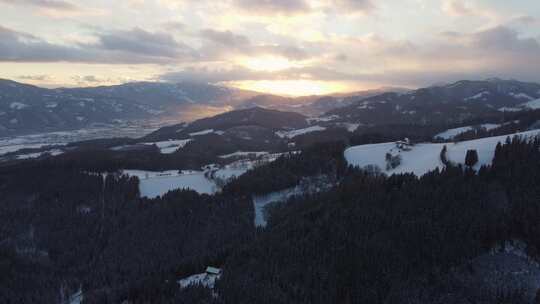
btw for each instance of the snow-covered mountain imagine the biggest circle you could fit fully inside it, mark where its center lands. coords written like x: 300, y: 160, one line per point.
x: 444, y: 104
x: 29, y: 109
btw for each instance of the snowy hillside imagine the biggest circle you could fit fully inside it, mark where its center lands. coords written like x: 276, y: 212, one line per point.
x: 451, y: 133
x: 425, y: 157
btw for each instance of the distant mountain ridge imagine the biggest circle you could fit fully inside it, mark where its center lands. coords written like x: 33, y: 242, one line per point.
x: 444, y: 104
x: 26, y: 109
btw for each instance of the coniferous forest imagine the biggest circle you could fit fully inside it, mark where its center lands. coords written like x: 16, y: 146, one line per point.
x: 368, y: 239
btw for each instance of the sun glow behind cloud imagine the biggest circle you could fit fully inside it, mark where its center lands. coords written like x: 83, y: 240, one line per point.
x: 268, y: 63
x: 292, y: 47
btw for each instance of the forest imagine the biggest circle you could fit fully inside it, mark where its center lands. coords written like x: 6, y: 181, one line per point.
x: 370, y: 238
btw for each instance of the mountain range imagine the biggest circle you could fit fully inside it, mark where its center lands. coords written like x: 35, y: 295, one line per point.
x: 26, y: 109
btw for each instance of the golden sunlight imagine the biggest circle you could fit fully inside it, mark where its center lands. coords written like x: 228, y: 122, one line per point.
x: 291, y: 87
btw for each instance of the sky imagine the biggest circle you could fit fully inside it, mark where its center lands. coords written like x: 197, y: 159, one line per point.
x: 288, y: 47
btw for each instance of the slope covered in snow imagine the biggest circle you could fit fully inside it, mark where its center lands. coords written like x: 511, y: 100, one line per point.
x: 451, y: 133
x: 425, y: 157
x: 298, y: 132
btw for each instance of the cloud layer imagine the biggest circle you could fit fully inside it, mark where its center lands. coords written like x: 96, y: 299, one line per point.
x: 362, y: 42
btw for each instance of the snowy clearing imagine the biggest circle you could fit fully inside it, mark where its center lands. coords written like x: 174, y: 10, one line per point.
x: 298, y: 132
x: 153, y: 184
x: 426, y: 156
x: 169, y: 146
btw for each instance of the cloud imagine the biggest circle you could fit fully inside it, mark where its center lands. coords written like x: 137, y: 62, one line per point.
x: 353, y: 6
x: 139, y: 41
x: 56, y: 8
x: 42, y: 77
x: 226, y: 38
x: 273, y: 7
x: 135, y: 46
x: 45, y: 4
x: 213, y: 75
x: 22, y: 47
x: 175, y: 26
x: 94, y: 80
x: 223, y: 44
x: 456, y: 8
x: 498, y: 51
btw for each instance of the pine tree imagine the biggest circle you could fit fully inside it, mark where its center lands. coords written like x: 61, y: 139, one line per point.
x: 471, y: 158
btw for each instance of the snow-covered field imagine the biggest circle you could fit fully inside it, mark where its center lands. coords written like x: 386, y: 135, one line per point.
x: 451, y: 133
x: 426, y: 156
x: 153, y: 184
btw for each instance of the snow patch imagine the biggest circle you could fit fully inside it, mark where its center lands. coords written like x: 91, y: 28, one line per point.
x: 206, y: 279
x: 521, y: 96
x: 509, y: 109
x: 243, y: 154
x: 322, y: 119
x: 533, y: 104
x: 261, y: 201
x: 54, y: 152
x: 351, y: 127
x: 169, y: 146
x: 298, y: 132
x: 204, y: 132
x: 478, y: 96
x: 18, y: 106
